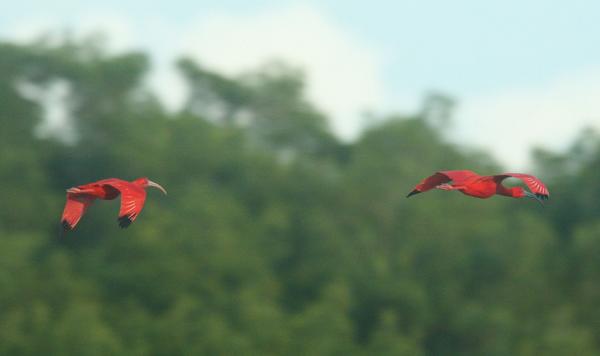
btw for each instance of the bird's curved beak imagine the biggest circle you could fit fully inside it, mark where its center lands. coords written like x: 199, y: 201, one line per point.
x: 531, y: 195
x: 157, y: 186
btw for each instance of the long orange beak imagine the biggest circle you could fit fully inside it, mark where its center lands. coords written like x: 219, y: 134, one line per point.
x: 157, y: 186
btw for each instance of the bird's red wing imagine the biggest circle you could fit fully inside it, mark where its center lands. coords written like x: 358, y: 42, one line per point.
x: 432, y: 182
x: 533, y: 183
x: 132, y: 201
x: 459, y: 176
x: 440, y: 178
x: 75, y: 207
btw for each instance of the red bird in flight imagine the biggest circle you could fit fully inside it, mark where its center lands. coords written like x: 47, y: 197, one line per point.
x: 133, y: 196
x: 474, y: 185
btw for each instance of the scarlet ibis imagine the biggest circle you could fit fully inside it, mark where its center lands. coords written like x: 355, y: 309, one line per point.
x: 133, y: 196
x: 472, y: 184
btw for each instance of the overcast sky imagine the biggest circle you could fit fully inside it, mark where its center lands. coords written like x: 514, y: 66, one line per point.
x: 524, y: 72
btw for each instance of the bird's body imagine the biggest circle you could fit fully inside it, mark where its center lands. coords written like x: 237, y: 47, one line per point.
x: 133, y: 196
x: 474, y: 185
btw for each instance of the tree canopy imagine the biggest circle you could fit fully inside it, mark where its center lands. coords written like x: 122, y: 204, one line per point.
x: 276, y: 237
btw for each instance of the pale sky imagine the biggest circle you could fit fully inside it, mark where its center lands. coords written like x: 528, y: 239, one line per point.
x: 524, y: 73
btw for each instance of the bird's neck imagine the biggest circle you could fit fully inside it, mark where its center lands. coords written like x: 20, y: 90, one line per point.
x: 140, y: 182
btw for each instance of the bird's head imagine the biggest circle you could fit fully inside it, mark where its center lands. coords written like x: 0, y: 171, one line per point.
x: 145, y: 183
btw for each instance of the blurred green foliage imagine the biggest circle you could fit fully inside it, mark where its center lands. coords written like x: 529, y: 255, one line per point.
x: 276, y: 238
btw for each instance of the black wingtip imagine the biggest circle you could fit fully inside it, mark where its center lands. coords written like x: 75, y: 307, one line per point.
x: 414, y: 192
x: 124, y: 222
x: 66, y: 226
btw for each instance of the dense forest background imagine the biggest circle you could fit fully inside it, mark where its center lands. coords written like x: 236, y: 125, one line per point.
x: 276, y: 238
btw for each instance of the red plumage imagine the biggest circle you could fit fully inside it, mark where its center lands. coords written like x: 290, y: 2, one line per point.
x: 133, y: 196
x: 472, y: 184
